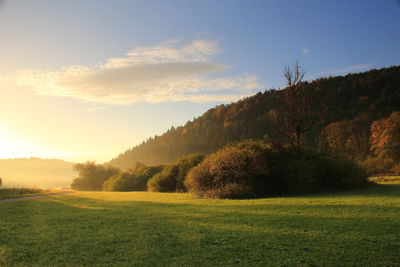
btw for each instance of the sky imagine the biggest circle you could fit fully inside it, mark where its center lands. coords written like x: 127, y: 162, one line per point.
x: 86, y: 80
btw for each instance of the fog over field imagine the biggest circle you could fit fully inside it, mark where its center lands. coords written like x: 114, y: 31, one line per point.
x: 199, y: 133
x: 29, y: 172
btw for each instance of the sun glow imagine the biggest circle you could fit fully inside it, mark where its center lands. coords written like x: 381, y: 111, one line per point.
x: 12, y: 146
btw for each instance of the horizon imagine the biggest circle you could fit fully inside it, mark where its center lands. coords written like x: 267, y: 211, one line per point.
x: 76, y: 86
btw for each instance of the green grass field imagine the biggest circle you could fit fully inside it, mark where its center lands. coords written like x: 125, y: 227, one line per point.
x: 6, y: 193
x: 386, y: 179
x: 353, y: 228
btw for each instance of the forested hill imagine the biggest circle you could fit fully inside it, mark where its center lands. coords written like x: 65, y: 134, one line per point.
x: 352, y: 103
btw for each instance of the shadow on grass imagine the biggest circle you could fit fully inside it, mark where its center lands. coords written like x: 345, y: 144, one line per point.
x: 85, y: 231
x: 370, y: 190
x: 266, y: 218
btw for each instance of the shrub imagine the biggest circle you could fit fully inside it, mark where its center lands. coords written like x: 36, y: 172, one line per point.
x: 396, y: 169
x: 254, y: 169
x: 92, y: 176
x: 305, y: 171
x: 185, y: 165
x: 133, y: 180
x: 119, y: 182
x: 231, y: 172
x: 172, y: 178
x: 378, y: 165
x: 164, y: 181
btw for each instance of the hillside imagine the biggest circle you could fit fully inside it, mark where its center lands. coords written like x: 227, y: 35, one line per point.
x: 352, y: 103
x: 36, y: 172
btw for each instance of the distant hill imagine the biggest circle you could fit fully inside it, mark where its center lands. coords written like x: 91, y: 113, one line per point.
x: 36, y: 172
x: 352, y: 102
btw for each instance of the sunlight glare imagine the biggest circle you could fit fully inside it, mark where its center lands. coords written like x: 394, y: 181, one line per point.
x: 12, y: 146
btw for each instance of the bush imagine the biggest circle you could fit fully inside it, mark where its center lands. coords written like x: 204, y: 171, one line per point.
x: 230, y: 172
x: 92, y: 176
x: 172, y: 178
x: 133, y: 180
x: 117, y: 182
x: 378, y: 165
x: 254, y: 169
x: 396, y: 169
x: 307, y: 171
x: 164, y: 181
x: 184, y: 166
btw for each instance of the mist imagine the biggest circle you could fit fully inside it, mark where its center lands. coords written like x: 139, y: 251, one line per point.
x: 36, y: 172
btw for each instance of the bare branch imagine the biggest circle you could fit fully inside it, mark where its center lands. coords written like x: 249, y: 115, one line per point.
x: 293, y: 75
x: 298, y: 116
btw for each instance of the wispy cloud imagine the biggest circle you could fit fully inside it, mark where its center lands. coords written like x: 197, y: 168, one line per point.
x: 347, y: 69
x: 170, y: 51
x: 305, y: 50
x: 163, y: 73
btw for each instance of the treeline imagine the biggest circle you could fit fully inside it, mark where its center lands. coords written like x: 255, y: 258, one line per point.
x: 257, y: 169
x: 138, y: 177
x: 353, y: 104
x: 247, y: 169
x: 309, y: 138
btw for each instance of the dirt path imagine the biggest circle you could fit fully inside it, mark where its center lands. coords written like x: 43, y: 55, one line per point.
x: 33, y: 197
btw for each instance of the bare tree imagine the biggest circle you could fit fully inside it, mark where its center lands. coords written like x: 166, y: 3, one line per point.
x: 298, y: 115
x: 294, y: 75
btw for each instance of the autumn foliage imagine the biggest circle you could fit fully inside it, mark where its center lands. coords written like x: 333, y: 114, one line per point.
x: 91, y: 176
x: 385, y: 146
x: 351, y: 104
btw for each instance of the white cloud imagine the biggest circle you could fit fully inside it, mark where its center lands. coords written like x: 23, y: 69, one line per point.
x: 347, y: 69
x: 163, y: 73
x: 305, y: 50
x: 197, y: 51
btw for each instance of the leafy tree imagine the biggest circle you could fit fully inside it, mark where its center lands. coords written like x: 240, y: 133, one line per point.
x: 92, y: 176
x: 132, y: 180
x: 184, y: 166
x: 164, y: 181
x: 172, y: 178
x: 385, y: 137
x: 385, y: 146
x: 348, y: 138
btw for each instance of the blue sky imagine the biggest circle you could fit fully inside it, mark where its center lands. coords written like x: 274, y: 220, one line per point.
x: 117, y: 72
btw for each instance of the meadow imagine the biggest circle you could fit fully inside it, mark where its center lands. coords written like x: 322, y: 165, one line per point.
x: 6, y: 193
x: 351, y: 228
